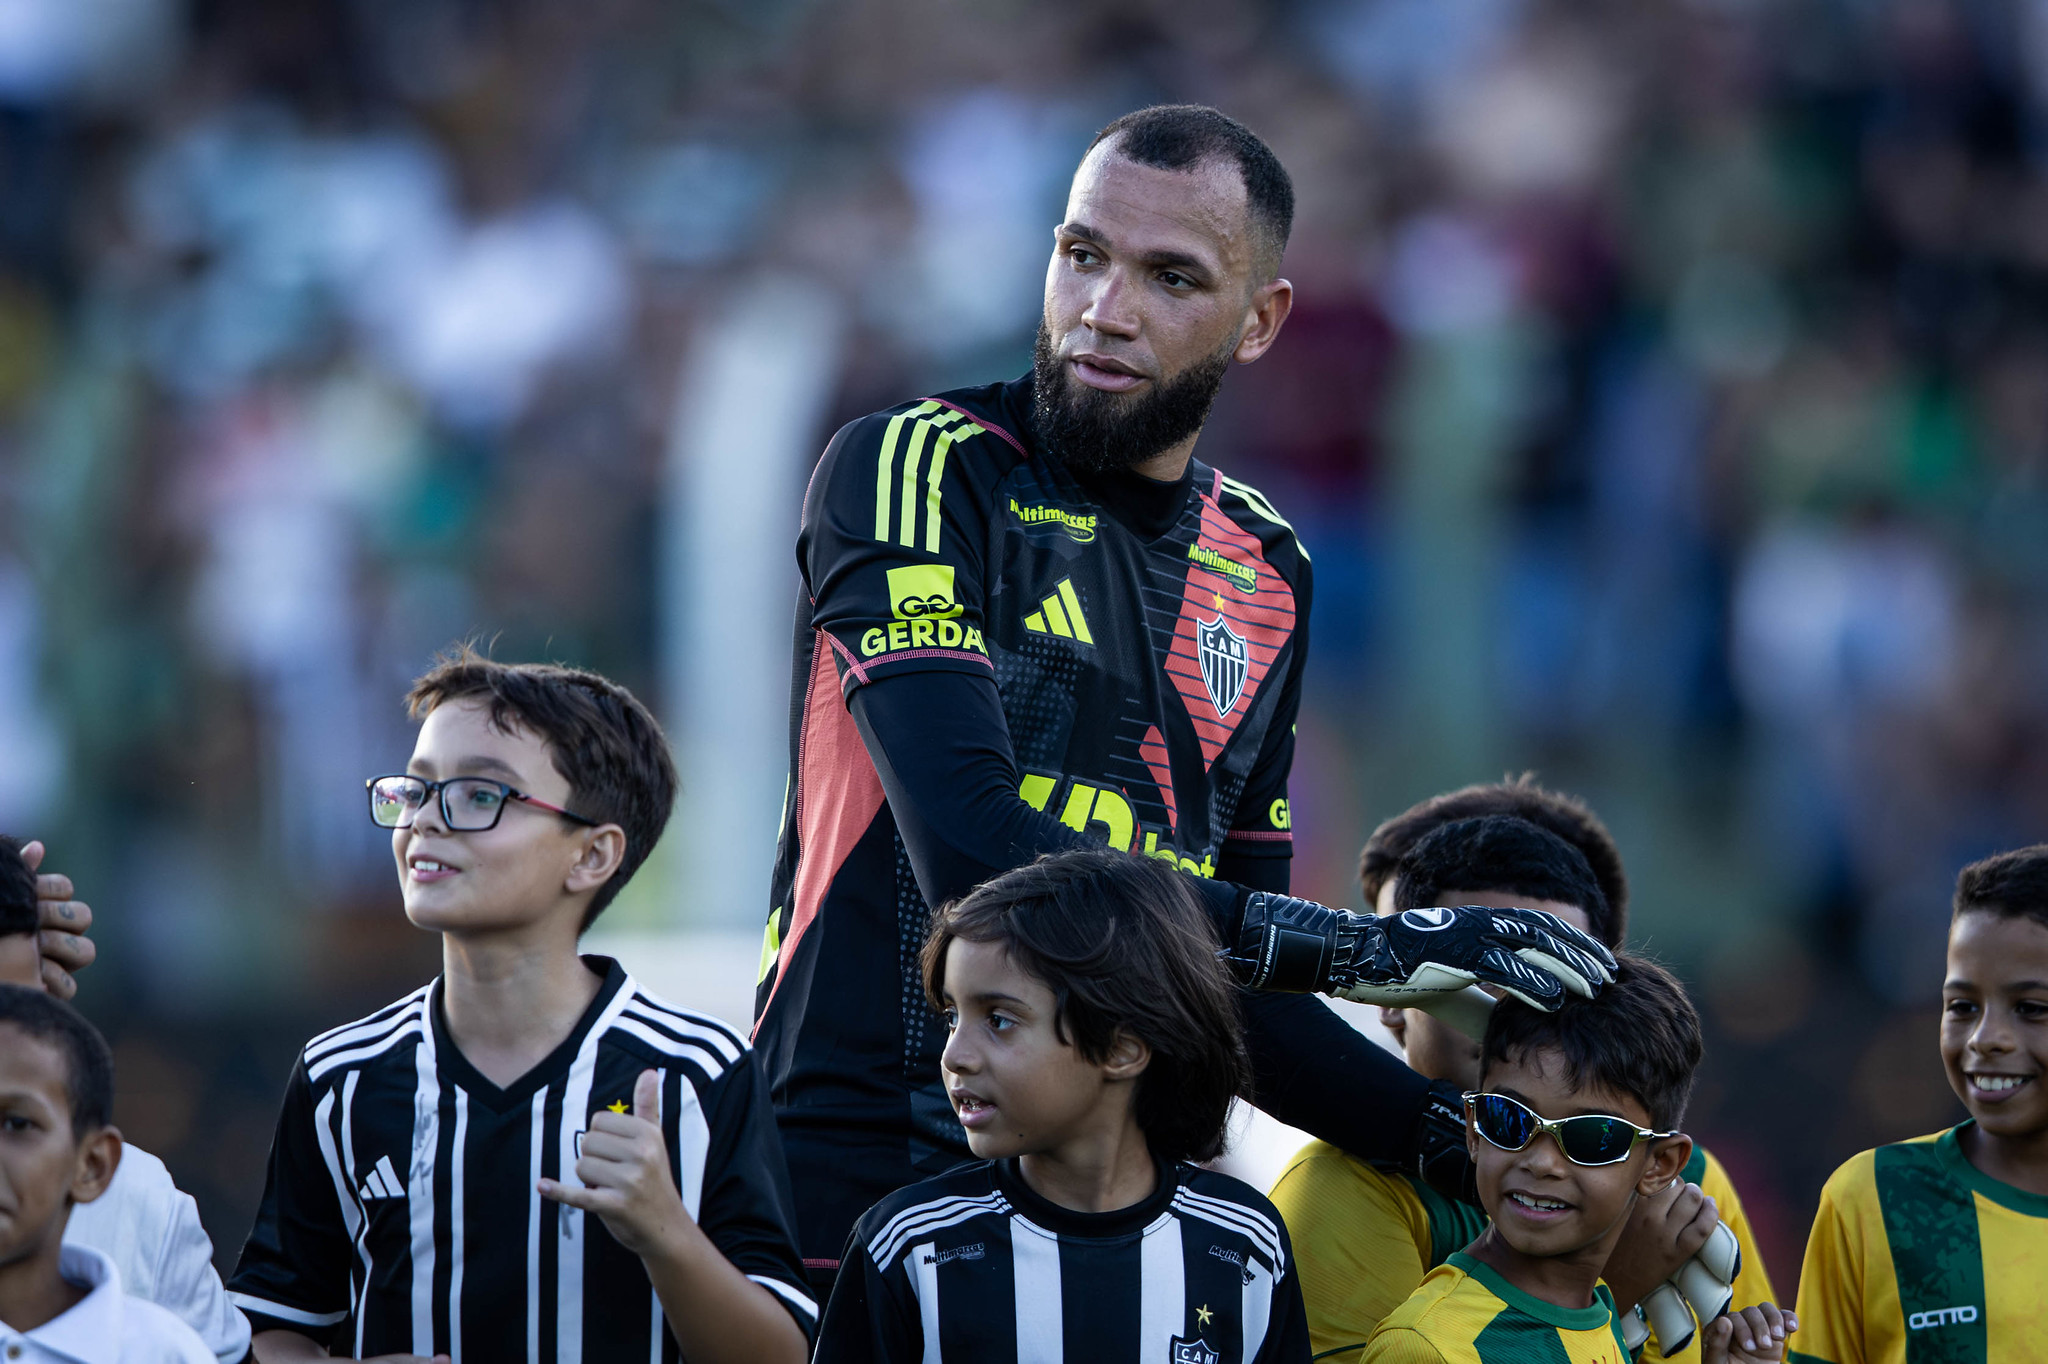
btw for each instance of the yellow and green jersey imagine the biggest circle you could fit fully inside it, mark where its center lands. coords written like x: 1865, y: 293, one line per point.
x: 1466, y: 1313
x: 1918, y: 1257
x: 1364, y: 1237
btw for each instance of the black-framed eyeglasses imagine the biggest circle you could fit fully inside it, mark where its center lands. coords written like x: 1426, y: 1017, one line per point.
x: 1588, y: 1139
x: 469, y: 805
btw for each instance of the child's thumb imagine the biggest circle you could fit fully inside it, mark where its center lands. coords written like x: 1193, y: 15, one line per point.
x: 647, y: 1097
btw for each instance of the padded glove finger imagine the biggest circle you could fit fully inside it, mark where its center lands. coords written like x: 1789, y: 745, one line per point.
x: 1467, y: 1010
x: 1706, y: 1293
x: 1721, y: 1256
x: 1671, y: 1321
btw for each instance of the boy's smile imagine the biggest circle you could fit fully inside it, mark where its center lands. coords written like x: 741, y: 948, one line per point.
x: 1994, y: 1033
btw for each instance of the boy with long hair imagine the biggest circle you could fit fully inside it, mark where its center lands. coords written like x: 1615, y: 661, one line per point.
x: 1093, y: 1049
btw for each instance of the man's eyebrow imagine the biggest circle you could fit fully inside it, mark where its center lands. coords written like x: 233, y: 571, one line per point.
x: 1158, y: 260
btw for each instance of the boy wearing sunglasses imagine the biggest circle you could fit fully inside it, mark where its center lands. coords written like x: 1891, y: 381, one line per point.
x: 1366, y: 1233
x: 1937, y: 1248
x: 1576, y: 1121
x: 530, y: 1157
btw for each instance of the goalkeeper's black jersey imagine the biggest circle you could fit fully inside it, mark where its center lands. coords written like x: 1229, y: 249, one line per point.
x: 1149, y: 676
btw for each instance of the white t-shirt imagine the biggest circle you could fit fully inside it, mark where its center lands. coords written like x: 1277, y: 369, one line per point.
x: 151, y: 1232
x: 106, y: 1326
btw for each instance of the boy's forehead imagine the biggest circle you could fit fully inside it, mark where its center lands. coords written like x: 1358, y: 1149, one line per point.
x: 461, y: 732
x: 1988, y: 950
x: 33, y: 1064
x: 1540, y: 1078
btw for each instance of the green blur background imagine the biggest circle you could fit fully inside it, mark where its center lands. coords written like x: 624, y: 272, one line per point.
x: 1665, y: 406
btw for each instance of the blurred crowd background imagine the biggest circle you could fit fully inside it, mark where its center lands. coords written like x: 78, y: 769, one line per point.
x: 1665, y: 406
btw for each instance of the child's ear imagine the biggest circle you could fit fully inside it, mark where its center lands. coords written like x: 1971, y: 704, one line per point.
x: 604, y: 848
x: 1667, y: 1159
x: 99, y: 1155
x: 1128, y: 1057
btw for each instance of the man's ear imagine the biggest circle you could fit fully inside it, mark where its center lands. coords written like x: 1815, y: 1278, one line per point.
x: 604, y: 849
x: 1395, y: 1021
x: 99, y: 1155
x: 1264, y: 316
x: 1128, y: 1057
x: 1667, y: 1159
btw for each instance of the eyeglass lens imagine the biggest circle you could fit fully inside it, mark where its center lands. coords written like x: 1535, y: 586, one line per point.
x: 469, y: 804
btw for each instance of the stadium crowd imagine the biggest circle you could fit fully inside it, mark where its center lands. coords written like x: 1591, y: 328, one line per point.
x: 1661, y: 402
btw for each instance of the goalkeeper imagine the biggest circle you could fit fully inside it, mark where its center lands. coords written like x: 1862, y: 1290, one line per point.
x: 1031, y: 620
x: 1365, y: 1235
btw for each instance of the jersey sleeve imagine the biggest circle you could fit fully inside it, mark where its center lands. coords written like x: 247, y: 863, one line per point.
x: 1361, y: 1244
x: 1401, y: 1345
x: 190, y: 1288
x: 894, y: 543
x: 872, y: 1317
x: 746, y: 1209
x: 1287, y: 1338
x: 1831, y: 1297
x: 294, y: 1270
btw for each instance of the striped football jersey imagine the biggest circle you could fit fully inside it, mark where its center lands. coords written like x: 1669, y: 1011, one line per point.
x: 401, y: 1216
x: 1918, y: 1257
x: 975, y: 1266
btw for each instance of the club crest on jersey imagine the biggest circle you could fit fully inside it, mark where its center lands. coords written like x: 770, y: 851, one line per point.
x: 1194, y: 1351
x: 1225, y: 659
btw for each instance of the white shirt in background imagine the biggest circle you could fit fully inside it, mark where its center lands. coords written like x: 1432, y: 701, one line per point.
x: 150, y: 1230
x: 106, y: 1326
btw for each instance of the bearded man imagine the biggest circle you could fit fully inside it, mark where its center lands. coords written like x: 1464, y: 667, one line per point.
x: 1031, y: 620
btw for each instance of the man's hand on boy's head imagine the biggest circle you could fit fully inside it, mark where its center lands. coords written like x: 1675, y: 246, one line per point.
x: 625, y: 1171
x: 64, y: 920
x: 1755, y: 1335
x: 1664, y: 1231
x: 1533, y: 956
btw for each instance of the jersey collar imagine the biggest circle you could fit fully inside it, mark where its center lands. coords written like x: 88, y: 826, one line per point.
x: 1950, y: 1147
x: 549, y: 1068
x: 1528, y: 1304
x: 1099, y: 1226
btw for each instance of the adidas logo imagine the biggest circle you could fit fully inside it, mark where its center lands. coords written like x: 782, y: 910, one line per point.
x: 1060, y: 614
x: 382, y: 1183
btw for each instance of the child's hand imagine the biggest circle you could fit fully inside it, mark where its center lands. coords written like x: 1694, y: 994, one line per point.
x: 1664, y: 1231
x: 624, y: 1167
x: 1755, y: 1335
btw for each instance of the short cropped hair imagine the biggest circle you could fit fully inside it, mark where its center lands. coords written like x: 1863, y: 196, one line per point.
x: 1639, y: 1036
x: 17, y: 891
x: 1566, y: 816
x: 88, y: 1065
x: 602, y: 740
x: 2011, y: 885
x: 1180, y: 137
x: 1125, y: 947
x: 1506, y: 854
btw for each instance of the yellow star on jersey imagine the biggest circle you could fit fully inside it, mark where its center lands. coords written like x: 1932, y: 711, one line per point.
x: 1202, y: 1315
x: 616, y: 1106
x: 1219, y: 600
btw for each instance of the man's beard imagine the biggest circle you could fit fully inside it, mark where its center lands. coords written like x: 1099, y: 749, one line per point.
x: 1100, y: 433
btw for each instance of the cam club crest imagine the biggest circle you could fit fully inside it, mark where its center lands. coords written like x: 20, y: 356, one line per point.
x: 1194, y: 1351
x: 1225, y: 659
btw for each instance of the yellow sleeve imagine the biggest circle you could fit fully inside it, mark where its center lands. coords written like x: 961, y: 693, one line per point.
x: 1361, y: 1243
x: 1752, y: 1281
x: 1831, y: 1279
x: 1400, y: 1345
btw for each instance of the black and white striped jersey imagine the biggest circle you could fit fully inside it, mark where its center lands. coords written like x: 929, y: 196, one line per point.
x: 975, y: 1266
x: 401, y: 1214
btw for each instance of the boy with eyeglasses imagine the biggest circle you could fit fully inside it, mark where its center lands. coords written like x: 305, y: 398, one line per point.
x: 1576, y: 1121
x: 530, y: 1157
x: 1937, y: 1248
x: 1366, y: 1234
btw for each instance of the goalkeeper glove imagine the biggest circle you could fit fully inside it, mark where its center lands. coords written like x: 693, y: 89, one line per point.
x: 1701, y: 1290
x: 1300, y: 946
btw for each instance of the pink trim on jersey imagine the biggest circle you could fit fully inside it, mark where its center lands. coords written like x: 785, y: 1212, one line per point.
x: 1259, y: 836
x: 985, y: 424
x: 853, y: 665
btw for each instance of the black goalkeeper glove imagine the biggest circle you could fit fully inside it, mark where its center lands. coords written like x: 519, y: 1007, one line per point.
x: 1440, y: 1157
x: 1402, y: 959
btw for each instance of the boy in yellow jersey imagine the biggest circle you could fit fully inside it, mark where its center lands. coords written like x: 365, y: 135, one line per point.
x: 1936, y: 1249
x: 1576, y: 1122
x: 1364, y: 1234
